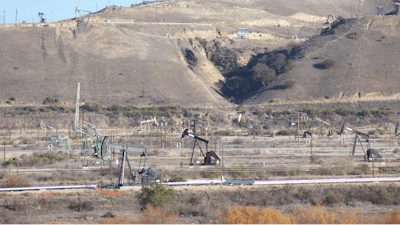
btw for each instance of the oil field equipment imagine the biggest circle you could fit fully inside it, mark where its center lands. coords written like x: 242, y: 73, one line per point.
x: 243, y: 33
x: 41, y: 16
x: 145, y: 174
x: 210, y: 158
x: 370, y: 152
x: 82, y: 22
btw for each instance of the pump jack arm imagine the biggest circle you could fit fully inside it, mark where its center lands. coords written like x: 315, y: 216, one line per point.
x: 193, y: 136
x: 185, y: 133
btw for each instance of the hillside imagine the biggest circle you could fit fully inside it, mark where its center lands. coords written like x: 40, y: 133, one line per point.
x: 178, y: 52
x: 365, y: 52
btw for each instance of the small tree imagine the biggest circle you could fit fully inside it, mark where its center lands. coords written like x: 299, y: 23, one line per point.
x: 262, y: 73
x: 158, y: 195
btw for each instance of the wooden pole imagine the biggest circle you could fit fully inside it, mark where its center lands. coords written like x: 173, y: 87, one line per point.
x: 161, y: 137
x: 385, y: 141
x: 157, y: 137
x: 298, y: 132
x: 390, y: 136
x: 165, y: 136
x: 170, y: 138
x: 4, y: 150
x: 20, y: 128
x: 151, y: 135
x: 183, y: 142
x: 311, y: 147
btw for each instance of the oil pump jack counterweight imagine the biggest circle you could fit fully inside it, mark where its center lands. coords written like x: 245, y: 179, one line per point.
x: 208, y: 157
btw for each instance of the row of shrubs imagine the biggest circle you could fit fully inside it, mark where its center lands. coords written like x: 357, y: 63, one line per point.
x: 344, y: 111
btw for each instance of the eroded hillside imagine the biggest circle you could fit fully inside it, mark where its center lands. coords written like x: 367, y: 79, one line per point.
x: 187, y: 52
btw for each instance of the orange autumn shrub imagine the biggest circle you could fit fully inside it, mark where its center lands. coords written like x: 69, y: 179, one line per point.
x: 251, y: 215
x: 391, y: 218
x: 159, y: 215
x: 117, y: 220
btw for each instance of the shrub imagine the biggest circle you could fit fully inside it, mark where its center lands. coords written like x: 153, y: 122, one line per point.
x: 289, y: 84
x: 92, y: 107
x: 158, y: 195
x: 13, y: 98
x: 286, y: 112
x: 13, y: 161
x: 259, y: 112
x: 371, y: 132
x: 251, y: 215
x: 284, y: 132
x: 328, y: 63
x: 327, y: 111
x: 16, y: 181
x: 343, y: 111
x: 82, y: 206
x: 158, y: 215
x: 177, y: 178
x: 381, y: 132
x: 47, y: 157
x: 116, y: 108
x: 365, y: 113
x: 130, y: 108
x: 262, y: 73
x: 131, y: 114
x: 49, y: 100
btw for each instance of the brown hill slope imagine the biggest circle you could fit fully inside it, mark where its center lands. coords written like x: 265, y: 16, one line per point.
x: 366, y: 51
x: 130, y: 61
x: 114, y: 64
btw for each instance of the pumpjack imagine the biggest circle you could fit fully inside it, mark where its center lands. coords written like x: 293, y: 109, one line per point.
x: 210, y: 158
x: 82, y: 22
x: 145, y: 174
x: 358, y: 134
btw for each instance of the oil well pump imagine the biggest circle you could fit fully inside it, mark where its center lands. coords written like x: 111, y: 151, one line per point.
x: 41, y: 16
x: 358, y: 134
x: 144, y: 174
x: 82, y: 22
x: 210, y: 158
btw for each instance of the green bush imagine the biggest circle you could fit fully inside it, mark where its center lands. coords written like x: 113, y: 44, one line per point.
x: 47, y: 158
x: 92, y: 107
x: 365, y: 113
x: 343, y: 111
x: 130, y: 108
x: 327, y: 111
x: 262, y: 73
x: 259, y: 112
x: 371, y: 132
x: 158, y: 195
x: 13, y: 161
x: 284, y: 132
x: 49, y: 100
x: 381, y: 132
x: 177, y: 178
x: 132, y: 113
x: 116, y: 108
x: 286, y: 112
x: 13, y: 98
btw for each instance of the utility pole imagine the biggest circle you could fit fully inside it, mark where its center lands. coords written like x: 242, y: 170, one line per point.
x: 52, y: 17
x: 96, y: 6
x: 298, y: 135
x: 165, y: 136
x: 4, y: 17
x: 151, y: 135
x: 170, y: 139
x: 16, y: 17
x: 4, y: 150
x: 157, y: 137
x: 311, y: 147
